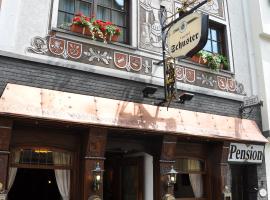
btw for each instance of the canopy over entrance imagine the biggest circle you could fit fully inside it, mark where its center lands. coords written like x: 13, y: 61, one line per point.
x: 41, y: 103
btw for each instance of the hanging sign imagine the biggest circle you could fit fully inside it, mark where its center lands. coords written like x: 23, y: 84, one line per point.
x: 188, y: 36
x: 245, y: 153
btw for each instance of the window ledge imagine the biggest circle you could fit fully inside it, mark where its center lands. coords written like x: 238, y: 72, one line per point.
x: 79, y: 37
x: 206, y: 69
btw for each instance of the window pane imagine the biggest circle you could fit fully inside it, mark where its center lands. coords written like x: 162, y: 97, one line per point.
x: 107, y: 3
x: 83, y: 8
x: 123, y: 36
x: 118, y: 18
x: 103, y: 13
x: 119, y: 4
x: 209, y: 33
x: 214, y: 34
x: 66, y: 5
x: 208, y: 46
x: 41, y: 157
x: 189, y: 165
x: 215, y: 47
x: 63, y: 20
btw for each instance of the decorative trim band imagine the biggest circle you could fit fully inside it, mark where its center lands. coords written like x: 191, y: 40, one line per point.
x: 94, y: 158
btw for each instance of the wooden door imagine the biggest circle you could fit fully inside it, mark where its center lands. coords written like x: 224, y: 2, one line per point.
x: 123, y: 178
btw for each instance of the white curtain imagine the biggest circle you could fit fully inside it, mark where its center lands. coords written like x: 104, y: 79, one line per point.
x: 197, y: 184
x: 62, y: 176
x: 11, y: 176
x: 63, y: 182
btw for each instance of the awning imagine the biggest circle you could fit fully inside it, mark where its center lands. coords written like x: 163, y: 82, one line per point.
x: 25, y: 101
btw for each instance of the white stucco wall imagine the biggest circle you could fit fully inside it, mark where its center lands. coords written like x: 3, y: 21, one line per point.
x: 259, y: 24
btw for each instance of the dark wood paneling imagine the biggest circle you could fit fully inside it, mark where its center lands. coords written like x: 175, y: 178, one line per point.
x: 194, y: 150
x: 167, y: 159
x: 95, y: 145
x: 5, y: 135
x: 4, y: 170
x: 42, y: 137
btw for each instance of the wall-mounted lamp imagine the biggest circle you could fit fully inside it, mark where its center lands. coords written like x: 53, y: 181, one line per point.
x: 185, y: 96
x: 172, y: 175
x: 148, y: 91
x: 97, y: 173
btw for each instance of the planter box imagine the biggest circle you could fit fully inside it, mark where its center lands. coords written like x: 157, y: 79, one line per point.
x: 198, y: 59
x: 80, y: 29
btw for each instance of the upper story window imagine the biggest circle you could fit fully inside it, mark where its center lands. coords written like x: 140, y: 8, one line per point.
x: 115, y: 11
x: 216, y: 40
x: 190, y: 179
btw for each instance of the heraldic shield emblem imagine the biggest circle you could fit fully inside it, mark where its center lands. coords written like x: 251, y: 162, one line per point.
x: 74, y: 50
x: 120, y: 60
x: 125, y: 61
x: 57, y: 46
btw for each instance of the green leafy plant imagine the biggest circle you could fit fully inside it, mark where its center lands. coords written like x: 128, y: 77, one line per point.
x: 214, y: 61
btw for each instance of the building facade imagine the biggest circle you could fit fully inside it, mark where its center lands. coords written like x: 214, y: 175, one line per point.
x: 259, y: 46
x: 73, y: 108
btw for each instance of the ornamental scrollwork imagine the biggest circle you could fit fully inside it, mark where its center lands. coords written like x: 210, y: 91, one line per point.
x: 39, y: 45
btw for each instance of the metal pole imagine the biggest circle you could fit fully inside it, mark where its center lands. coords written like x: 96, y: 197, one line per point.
x: 163, y: 35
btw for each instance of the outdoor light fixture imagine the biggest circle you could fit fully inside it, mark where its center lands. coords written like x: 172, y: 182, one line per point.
x: 97, y: 173
x: 148, y: 91
x: 185, y: 97
x: 172, y: 175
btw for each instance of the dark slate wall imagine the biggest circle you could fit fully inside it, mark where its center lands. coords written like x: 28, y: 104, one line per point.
x: 74, y: 81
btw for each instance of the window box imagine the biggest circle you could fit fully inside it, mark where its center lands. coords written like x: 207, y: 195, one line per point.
x: 80, y: 29
x: 213, y: 60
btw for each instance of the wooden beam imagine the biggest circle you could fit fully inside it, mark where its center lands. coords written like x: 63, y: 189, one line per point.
x: 5, y: 136
x: 95, y: 147
x: 167, y: 159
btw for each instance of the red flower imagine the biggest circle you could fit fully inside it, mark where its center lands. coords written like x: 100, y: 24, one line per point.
x: 102, y: 28
x: 87, y: 19
x: 108, y: 23
x: 76, y: 19
x: 117, y: 30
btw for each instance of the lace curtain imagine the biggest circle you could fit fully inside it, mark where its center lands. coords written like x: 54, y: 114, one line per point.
x: 62, y: 175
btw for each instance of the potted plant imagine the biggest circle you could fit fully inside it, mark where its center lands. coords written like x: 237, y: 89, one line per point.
x: 81, y: 24
x: 214, y: 61
x: 95, y: 28
x: 107, y: 31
